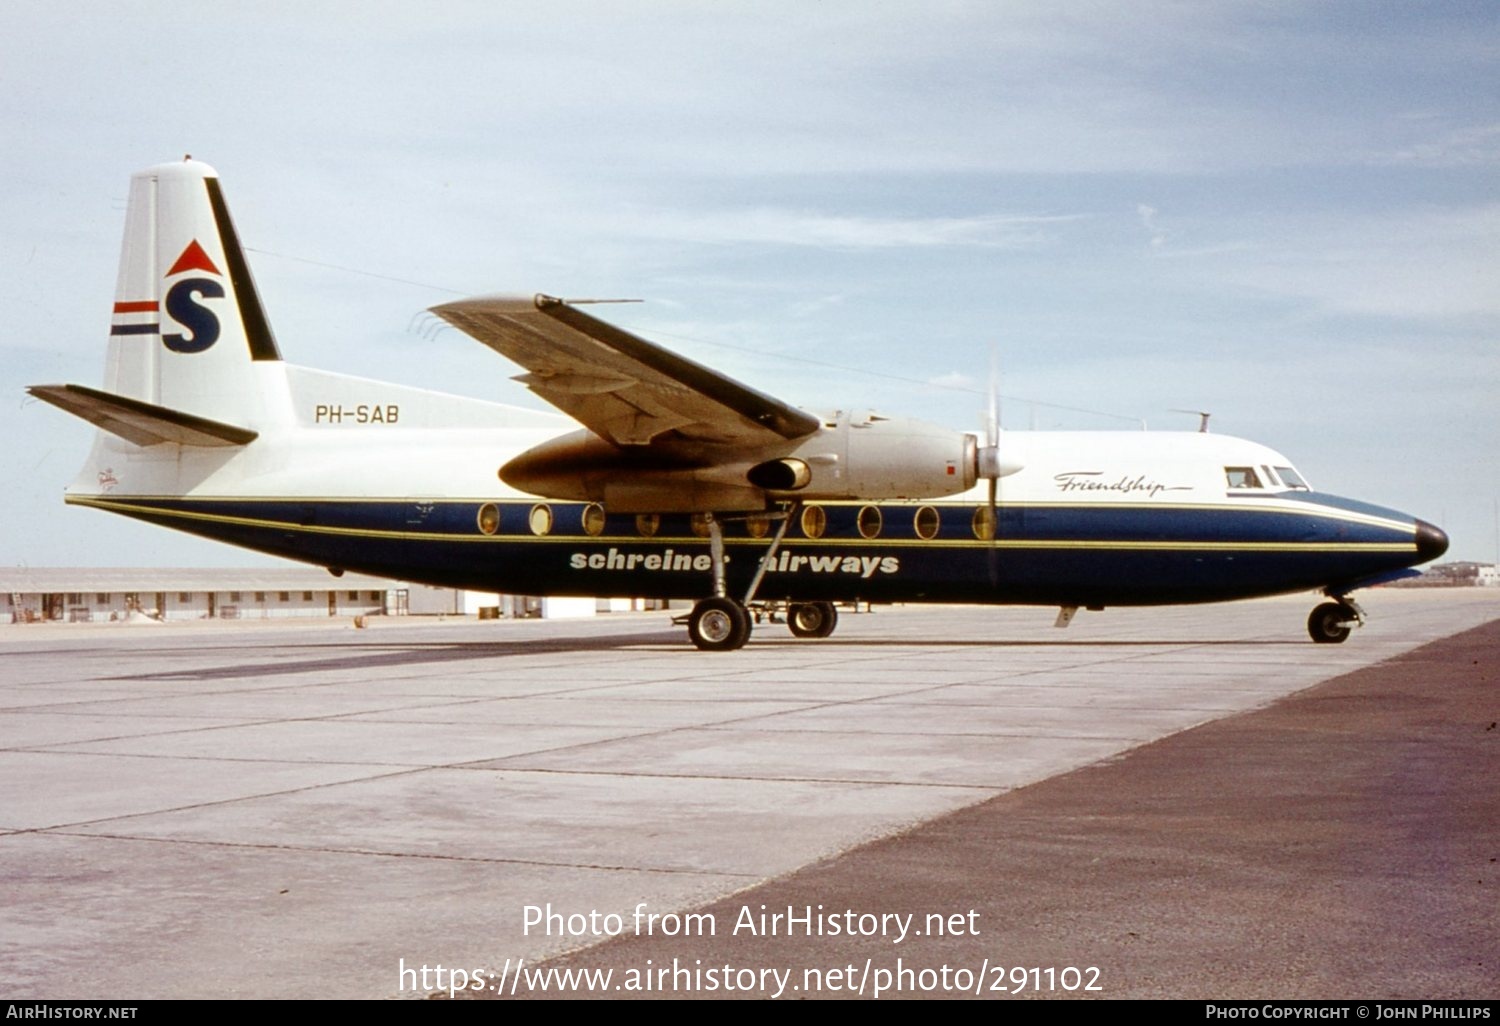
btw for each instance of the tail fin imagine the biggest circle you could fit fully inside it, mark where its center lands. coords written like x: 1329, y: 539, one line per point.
x: 188, y: 326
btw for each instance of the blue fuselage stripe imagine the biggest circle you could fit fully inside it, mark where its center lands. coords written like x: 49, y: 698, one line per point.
x: 1084, y: 554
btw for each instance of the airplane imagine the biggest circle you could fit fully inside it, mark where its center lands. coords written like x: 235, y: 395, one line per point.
x: 662, y: 478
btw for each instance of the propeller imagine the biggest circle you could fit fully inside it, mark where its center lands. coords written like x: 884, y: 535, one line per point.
x: 987, y: 462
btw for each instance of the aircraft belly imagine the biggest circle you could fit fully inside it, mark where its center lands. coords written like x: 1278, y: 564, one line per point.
x: 1062, y: 556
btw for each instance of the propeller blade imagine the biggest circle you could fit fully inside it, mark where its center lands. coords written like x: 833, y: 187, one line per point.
x: 994, y: 442
x: 992, y: 435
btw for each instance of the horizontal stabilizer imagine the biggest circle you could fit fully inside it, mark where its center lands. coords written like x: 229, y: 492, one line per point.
x: 140, y: 422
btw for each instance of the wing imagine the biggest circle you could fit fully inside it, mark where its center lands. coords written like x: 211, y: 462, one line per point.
x: 623, y: 388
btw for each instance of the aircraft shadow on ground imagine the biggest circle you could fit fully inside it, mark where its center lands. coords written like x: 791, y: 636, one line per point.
x: 403, y: 654
x: 438, y: 653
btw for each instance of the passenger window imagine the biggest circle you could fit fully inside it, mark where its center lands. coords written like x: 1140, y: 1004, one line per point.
x: 540, y: 519
x: 927, y: 523
x: 593, y: 520
x: 814, y: 521
x: 869, y: 522
x: 489, y: 518
x: 984, y: 523
x: 1242, y: 477
x: 647, y: 524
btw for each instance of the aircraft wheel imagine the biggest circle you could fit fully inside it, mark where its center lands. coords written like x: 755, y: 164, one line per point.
x: 1328, y: 623
x: 719, y: 625
x: 812, y: 619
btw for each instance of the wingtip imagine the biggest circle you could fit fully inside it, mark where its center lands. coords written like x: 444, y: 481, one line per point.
x: 499, y: 302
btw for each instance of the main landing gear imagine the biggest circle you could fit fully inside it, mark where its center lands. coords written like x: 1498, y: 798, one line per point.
x: 719, y: 624
x: 1331, y: 622
x: 812, y: 619
x: 722, y: 624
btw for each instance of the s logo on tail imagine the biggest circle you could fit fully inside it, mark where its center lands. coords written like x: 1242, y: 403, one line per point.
x: 183, y: 303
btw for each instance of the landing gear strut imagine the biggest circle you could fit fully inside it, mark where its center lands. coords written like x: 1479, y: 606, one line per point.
x: 720, y: 623
x: 1330, y: 622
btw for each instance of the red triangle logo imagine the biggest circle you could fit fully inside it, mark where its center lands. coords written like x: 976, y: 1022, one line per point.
x: 194, y: 259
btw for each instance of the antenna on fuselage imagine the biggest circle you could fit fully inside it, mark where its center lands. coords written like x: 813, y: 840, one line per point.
x: 1202, y: 416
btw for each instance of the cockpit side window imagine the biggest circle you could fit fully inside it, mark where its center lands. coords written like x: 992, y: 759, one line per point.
x: 1293, y: 479
x: 1242, y: 477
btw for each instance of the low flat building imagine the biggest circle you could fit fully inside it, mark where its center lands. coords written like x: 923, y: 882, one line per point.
x: 92, y: 595
x: 102, y: 595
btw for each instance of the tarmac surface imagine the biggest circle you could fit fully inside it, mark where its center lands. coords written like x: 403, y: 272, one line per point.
x: 310, y: 810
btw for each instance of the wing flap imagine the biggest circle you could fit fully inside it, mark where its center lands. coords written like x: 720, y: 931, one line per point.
x: 622, y: 387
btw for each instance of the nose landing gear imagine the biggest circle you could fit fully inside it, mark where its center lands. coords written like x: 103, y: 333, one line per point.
x: 1331, y: 622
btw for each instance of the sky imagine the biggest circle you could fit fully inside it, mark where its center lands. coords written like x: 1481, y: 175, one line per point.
x: 1286, y: 214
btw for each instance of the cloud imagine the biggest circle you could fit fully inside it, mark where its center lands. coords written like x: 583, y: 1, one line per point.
x: 1148, y: 219
x: 955, y: 380
x: 1469, y: 146
x: 784, y: 227
x: 1406, y: 264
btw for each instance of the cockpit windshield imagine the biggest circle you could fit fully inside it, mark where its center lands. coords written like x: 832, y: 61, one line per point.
x: 1293, y: 479
x: 1265, y: 478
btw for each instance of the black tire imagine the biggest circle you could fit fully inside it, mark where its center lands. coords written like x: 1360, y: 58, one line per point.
x: 1329, y: 623
x: 719, y: 625
x: 812, y: 619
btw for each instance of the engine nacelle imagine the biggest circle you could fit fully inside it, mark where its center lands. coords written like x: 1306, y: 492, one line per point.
x: 583, y: 467
x: 868, y: 456
x: 859, y: 458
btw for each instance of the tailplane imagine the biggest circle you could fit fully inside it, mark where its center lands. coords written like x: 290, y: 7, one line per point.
x: 141, y: 423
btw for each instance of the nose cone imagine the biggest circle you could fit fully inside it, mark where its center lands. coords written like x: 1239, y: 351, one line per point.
x: 1432, y: 542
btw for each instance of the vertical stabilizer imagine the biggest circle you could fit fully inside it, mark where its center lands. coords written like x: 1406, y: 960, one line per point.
x: 187, y: 326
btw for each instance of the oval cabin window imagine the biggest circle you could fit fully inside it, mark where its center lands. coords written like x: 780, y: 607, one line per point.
x: 869, y: 522
x: 541, y: 519
x: 489, y: 518
x: 593, y: 520
x: 814, y: 521
x: 984, y: 523
x: 927, y: 523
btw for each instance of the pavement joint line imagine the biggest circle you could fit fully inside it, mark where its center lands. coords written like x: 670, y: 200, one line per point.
x: 1011, y: 735
x: 376, y: 853
x: 48, y: 710
x: 62, y: 748
x: 995, y: 789
x: 404, y: 771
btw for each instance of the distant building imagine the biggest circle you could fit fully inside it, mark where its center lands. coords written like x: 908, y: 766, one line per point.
x: 84, y: 595
x: 100, y: 595
x: 1457, y: 575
